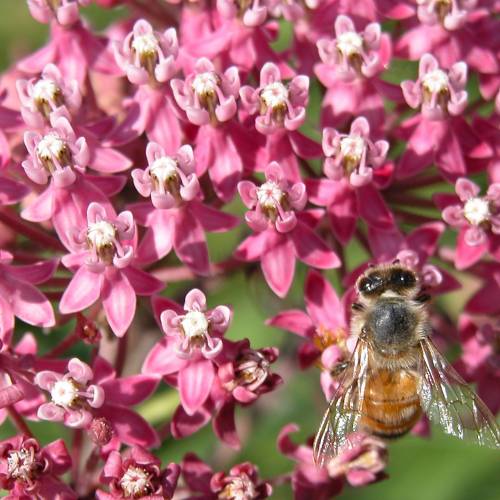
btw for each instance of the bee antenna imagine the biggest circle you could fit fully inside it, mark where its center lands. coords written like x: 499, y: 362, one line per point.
x: 371, y: 264
x: 396, y: 261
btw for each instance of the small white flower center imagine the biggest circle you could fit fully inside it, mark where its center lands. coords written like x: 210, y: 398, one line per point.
x: 194, y: 324
x: 145, y: 44
x: 240, y: 488
x: 352, y: 147
x: 45, y: 90
x: 101, y: 234
x: 350, y: 43
x: 20, y: 464
x: 50, y: 146
x: 205, y: 83
x: 163, y: 169
x: 135, y: 482
x: 269, y: 195
x: 274, y: 95
x: 64, y: 393
x: 477, y: 210
x: 436, y: 81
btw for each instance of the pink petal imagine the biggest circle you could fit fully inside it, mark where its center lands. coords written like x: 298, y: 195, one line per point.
x: 119, y: 301
x: 83, y: 290
x: 311, y: 249
x: 467, y: 255
x: 108, y: 161
x: 212, y: 219
x: 163, y: 359
x: 278, y: 266
x: 253, y: 247
x: 130, y: 390
x: 225, y: 427
x: 189, y: 242
x: 294, y: 321
x: 183, y: 425
x: 130, y: 427
x: 35, y: 273
x: 42, y: 208
x: 142, y: 283
x: 372, y: 207
x: 322, y: 302
x: 195, y: 383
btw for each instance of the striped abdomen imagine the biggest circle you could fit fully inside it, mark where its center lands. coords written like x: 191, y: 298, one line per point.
x: 391, y: 405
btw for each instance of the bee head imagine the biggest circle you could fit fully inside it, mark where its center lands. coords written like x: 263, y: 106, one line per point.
x: 394, y: 278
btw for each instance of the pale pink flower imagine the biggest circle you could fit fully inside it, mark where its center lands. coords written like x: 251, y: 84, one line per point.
x: 146, y: 55
x: 438, y: 92
x: 83, y: 394
x: 353, y: 155
x: 40, y: 97
x: 276, y: 208
x: 65, y: 12
x: 193, y: 340
x: 278, y: 105
x: 206, y: 95
x: 178, y: 218
x: 253, y: 14
x: 351, y: 52
x: 478, y: 219
x: 102, y: 251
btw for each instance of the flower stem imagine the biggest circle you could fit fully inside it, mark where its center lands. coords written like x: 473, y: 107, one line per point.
x: 18, y: 421
x: 33, y: 233
x: 121, y: 355
x: 66, y: 344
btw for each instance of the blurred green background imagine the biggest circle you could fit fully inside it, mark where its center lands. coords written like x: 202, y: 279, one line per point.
x: 440, y: 468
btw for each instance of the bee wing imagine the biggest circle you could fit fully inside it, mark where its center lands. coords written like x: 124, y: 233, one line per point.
x: 450, y: 402
x: 343, y: 413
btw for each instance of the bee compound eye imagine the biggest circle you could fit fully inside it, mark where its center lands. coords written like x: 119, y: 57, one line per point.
x: 370, y: 284
x: 403, y: 278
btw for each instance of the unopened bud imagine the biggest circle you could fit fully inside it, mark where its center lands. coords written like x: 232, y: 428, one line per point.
x: 100, y: 431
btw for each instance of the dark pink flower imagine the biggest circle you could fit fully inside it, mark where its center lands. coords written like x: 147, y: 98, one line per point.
x: 29, y: 471
x: 193, y: 340
x: 278, y: 105
x: 65, y: 12
x: 146, y: 55
x: 436, y: 91
x: 40, y: 97
x: 477, y: 218
x: 241, y: 482
x: 137, y: 474
x: 281, y: 236
x: 102, y: 252
x: 83, y: 394
x: 178, y: 218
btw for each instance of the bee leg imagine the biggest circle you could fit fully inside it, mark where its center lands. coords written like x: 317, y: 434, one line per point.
x: 423, y: 297
x: 356, y: 306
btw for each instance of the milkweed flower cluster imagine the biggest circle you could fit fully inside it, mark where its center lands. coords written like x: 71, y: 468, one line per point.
x: 190, y: 147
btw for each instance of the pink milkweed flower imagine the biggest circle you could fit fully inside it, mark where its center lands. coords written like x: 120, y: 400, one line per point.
x: 146, y: 55
x: 281, y: 236
x: 102, y: 252
x: 252, y: 14
x: 65, y: 12
x: 480, y: 360
x: 29, y: 471
x: 242, y: 481
x: 72, y: 397
x: 58, y: 154
x: 136, y: 473
x: 278, y: 105
x: 178, y: 218
x: 354, y: 154
x: 207, y: 96
x: 193, y: 340
x: 476, y: 217
x: 40, y: 97
x: 324, y: 326
x: 19, y: 297
x: 362, y: 461
x: 84, y: 394
x: 438, y: 92
x: 352, y: 53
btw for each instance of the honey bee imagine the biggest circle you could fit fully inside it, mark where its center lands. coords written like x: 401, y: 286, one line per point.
x: 396, y: 374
